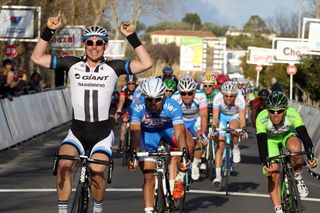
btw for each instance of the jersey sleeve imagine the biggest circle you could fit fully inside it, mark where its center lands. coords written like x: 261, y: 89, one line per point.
x: 217, y: 101
x: 175, y: 110
x: 241, y: 102
x: 203, y: 104
x: 262, y: 121
x: 121, y: 67
x: 136, y: 112
x: 294, y: 117
x: 63, y: 63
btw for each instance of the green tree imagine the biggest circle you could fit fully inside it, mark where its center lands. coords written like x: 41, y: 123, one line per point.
x: 193, y: 19
x: 215, y: 29
x: 255, y: 25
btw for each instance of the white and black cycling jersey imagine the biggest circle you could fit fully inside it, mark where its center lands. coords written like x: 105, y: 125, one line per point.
x: 91, y: 88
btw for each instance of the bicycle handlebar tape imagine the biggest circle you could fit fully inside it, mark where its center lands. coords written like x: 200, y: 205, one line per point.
x: 47, y: 34
x: 134, y: 40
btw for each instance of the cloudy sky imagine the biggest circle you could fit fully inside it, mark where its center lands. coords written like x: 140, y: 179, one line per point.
x: 231, y: 12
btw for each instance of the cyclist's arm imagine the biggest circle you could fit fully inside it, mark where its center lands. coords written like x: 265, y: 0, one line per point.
x: 122, y: 99
x: 242, y: 115
x: 39, y: 55
x: 263, y: 147
x: 204, y: 119
x: 179, y: 133
x: 135, y: 131
x: 215, y: 117
x: 144, y: 61
x: 305, y: 138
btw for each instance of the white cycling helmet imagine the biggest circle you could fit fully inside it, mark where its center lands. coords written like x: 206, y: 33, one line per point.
x: 153, y: 88
x: 95, y: 30
x: 208, y: 79
x: 229, y: 88
x: 186, y: 84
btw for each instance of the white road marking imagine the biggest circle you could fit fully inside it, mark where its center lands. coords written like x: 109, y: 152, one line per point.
x: 243, y: 194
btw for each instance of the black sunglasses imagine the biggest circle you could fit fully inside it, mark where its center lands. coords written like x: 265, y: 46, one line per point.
x: 280, y: 111
x: 167, y: 90
x: 151, y: 100
x: 229, y: 96
x: 207, y: 86
x: 97, y: 42
x: 186, y: 93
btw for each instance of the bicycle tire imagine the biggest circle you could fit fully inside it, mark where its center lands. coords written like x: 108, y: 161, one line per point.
x: 210, y: 161
x: 159, y: 200
x: 125, y: 148
x: 290, y: 196
x: 227, y: 169
x: 181, y: 202
x: 76, y: 205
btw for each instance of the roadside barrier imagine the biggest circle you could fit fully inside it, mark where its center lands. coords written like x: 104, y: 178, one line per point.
x: 311, y: 118
x: 30, y: 115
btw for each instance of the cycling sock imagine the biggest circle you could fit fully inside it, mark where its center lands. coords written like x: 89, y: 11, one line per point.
x: 278, y: 209
x: 171, y: 184
x: 196, y: 161
x: 148, y: 210
x: 236, y: 146
x: 298, y: 176
x: 218, y: 171
x: 180, y: 176
x: 97, y: 206
x: 62, y: 206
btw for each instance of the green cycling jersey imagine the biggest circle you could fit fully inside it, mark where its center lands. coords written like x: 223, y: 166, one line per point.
x: 210, y: 98
x: 291, y: 121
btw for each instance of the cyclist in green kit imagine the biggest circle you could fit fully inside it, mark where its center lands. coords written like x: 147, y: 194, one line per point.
x: 281, y: 124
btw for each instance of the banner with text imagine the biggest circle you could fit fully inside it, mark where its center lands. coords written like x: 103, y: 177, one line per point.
x: 69, y: 37
x: 191, y: 53
x: 17, y: 23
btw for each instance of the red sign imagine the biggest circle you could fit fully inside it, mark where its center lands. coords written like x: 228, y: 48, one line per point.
x: 10, y: 51
x: 259, y: 68
x: 291, y: 69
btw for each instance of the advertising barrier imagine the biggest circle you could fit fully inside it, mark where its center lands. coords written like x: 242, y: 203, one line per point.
x: 27, y: 116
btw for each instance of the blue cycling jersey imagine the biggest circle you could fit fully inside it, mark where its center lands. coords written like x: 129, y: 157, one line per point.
x: 170, y: 115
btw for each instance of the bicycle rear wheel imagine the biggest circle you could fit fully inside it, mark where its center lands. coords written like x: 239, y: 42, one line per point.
x: 210, y: 160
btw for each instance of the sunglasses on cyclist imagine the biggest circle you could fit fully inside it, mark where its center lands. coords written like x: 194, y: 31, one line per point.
x: 97, y: 42
x: 280, y: 111
x: 130, y: 83
x: 229, y: 96
x: 207, y: 86
x: 186, y: 93
x: 151, y: 100
x: 168, y: 90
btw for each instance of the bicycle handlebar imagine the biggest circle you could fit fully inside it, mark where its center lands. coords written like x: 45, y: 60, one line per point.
x: 285, y: 155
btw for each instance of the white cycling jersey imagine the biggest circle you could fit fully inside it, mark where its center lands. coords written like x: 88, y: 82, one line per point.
x: 238, y: 104
x: 192, y: 112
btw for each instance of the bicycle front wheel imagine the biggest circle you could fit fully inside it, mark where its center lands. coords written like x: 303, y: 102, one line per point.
x: 210, y: 160
x: 81, y: 200
x: 159, y: 198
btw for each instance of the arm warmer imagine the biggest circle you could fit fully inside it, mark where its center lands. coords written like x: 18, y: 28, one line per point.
x: 263, y: 147
x: 305, y: 138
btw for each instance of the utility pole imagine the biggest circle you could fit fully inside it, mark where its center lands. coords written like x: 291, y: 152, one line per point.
x: 318, y: 9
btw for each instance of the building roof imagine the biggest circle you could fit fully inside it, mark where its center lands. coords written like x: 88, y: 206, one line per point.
x: 183, y: 33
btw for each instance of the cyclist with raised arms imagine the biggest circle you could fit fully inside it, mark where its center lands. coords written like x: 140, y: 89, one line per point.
x: 281, y: 124
x: 228, y: 106
x: 92, y: 80
x: 195, y: 115
x: 126, y: 97
x: 158, y: 117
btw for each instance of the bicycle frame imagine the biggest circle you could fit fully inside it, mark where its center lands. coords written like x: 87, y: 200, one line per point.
x: 290, y: 198
x: 81, y: 201
x: 162, y: 196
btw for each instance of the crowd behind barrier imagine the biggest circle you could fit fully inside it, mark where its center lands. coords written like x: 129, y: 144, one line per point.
x: 27, y: 116
x: 311, y: 118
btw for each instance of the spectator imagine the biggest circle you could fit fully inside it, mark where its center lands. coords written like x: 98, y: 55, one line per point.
x: 275, y: 85
x: 7, y: 66
x: 35, y: 83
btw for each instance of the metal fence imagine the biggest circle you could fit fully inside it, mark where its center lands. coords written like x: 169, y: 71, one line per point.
x: 30, y: 115
x: 311, y: 118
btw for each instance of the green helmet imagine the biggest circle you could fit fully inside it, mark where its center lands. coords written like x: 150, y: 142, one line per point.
x: 277, y: 100
x: 170, y: 84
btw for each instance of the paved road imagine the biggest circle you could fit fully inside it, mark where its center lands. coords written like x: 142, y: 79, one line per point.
x: 26, y: 183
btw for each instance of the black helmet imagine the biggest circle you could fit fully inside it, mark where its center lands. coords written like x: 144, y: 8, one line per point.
x: 131, y: 79
x: 167, y: 70
x: 264, y: 93
x: 277, y: 100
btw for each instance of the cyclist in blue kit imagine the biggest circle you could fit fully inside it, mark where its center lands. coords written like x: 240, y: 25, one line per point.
x: 92, y: 80
x: 158, y: 117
